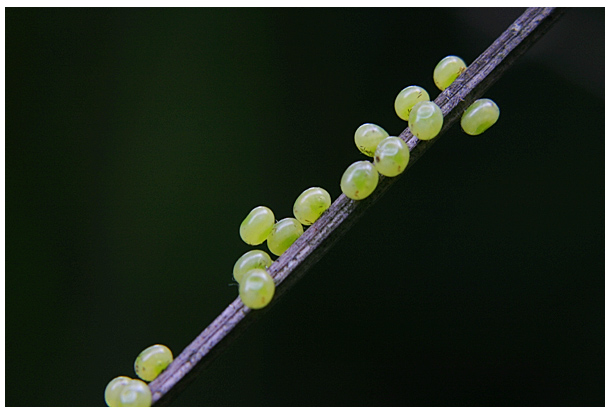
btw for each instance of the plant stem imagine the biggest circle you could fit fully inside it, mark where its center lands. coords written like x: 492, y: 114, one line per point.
x: 343, y: 213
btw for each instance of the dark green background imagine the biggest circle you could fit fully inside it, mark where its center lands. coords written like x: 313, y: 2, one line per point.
x: 138, y: 139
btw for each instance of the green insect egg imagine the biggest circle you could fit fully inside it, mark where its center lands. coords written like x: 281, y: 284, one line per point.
x: 480, y: 116
x: 425, y: 120
x: 257, y: 225
x: 152, y: 361
x: 368, y: 136
x: 113, y: 391
x: 248, y: 261
x: 447, y: 70
x: 310, y: 205
x: 391, y: 157
x: 135, y: 394
x: 283, y: 235
x: 359, y: 180
x: 257, y: 289
x: 407, y: 99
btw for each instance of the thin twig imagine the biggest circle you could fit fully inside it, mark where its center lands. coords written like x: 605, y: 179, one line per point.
x: 317, y: 239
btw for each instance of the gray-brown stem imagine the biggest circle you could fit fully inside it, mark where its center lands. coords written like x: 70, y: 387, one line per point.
x: 317, y: 239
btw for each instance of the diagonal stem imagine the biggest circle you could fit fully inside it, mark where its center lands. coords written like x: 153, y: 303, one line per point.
x: 343, y: 213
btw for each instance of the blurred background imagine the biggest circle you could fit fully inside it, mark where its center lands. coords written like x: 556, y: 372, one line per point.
x: 138, y: 139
